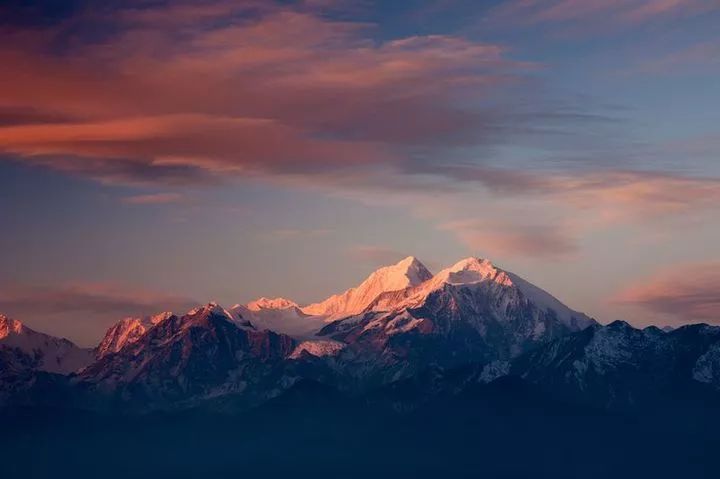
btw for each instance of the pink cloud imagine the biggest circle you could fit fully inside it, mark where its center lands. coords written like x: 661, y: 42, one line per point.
x: 211, y: 144
x: 289, y: 96
x: 617, y: 195
x: 490, y: 238
x: 284, y: 90
x: 83, y: 311
x: 632, y: 195
x: 685, y: 293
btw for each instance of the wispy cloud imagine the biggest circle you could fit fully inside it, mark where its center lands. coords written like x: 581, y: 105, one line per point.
x: 83, y: 310
x: 270, y: 89
x: 684, y: 293
x: 529, y: 213
x: 599, y: 13
x: 490, y: 238
x: 698, y: 57
x: 153, y: 199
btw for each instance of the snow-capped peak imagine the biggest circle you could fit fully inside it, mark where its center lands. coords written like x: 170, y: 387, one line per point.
x: 407, y: 273
x: 467, y: 272
x: 211, y: 307
x: 274, y: 303
x: 157, y: 318
x: 9, y: 326
x: 481, y: 273
x: 472, y: 270
x: 127, y: 331
x: 45, y: 352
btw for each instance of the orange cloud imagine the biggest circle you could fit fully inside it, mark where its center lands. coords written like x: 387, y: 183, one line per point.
x: 188, y: 93
x: 281, y: 89
x: 204, y: 142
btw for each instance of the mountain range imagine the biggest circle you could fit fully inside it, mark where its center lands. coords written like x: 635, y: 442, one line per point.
x: 396, y: 326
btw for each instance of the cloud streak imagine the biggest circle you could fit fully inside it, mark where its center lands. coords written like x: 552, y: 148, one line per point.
x: 492, y: 238
x: 685, y: 293
x: 83, y: 310
x: 628, y: 13
x: 153, y: 199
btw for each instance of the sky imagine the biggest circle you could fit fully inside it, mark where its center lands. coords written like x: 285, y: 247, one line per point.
x: 155, y: 155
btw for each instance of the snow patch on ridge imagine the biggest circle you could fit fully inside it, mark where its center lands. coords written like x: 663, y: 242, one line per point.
x: 279, y: 315
x: 266, y: 303
x: 318, y: 348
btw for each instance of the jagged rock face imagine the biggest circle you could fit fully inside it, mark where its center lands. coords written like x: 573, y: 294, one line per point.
x: 199, y: 355
x: 25, y: 349
x: 317, y: 348
x: 13, y: 361
x: 707, y: 367
x: 620, y: 366
x: 127, y: 331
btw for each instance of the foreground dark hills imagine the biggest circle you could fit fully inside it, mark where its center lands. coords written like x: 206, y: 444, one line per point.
x: 502, y: 429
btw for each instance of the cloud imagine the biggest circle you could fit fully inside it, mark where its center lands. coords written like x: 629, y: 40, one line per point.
x: 628, y: 13
x: 192, y: 92
x: 684, y: 293
x: 153, y: 199
x: 490, y: 238
x: 83, y: 310
x: 161, y: 147
x: 617, y: 195
x: 280, y: 93
x: 528, y: 212
x: 636, y: 194
x: 200, y: 93
x: 376, y: 255
x: 554, y: 211
x: 698, y: 57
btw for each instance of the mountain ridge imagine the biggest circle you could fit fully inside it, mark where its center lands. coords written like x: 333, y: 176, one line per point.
x: 471, y: 313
